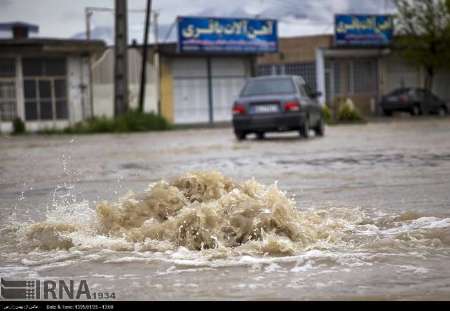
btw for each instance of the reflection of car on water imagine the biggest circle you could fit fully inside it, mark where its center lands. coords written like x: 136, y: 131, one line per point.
x: 416, y: 101
x: 277, y: 103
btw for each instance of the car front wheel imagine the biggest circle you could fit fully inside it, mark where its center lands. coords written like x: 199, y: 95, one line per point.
x: 319, y: 130
x: 415, y: 111
x: 442, y: 111
x: 240, y: 135
x: 387, y: 113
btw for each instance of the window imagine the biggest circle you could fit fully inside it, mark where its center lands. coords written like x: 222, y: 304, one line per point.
x: 402, y: 91
x: 7, y: 68
x: 45, y: 89
x: 352, y: 77
x: 306, y: 70
x: 309, y: 91
x: 7, y: 89
x: 302, y: 90
x: 269, y: 86
x: 337, y: 73
x: 264, y: 70
x: 364, y: 76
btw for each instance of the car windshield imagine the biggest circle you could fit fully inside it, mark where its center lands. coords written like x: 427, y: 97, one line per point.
x: 268, y: 86
x: 399, y: 92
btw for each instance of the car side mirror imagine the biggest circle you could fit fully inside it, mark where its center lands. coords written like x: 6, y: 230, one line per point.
x: 316, y: 94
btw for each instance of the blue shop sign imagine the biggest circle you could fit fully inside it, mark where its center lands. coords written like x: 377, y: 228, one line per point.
x: 364, y: 30
x: 227, y: 35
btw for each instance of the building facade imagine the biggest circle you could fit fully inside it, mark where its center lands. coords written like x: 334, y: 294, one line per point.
x: 103, y: 82
x: 44, y: 82
x: 200, y: 88
x: 362, y: 74
x: 202, y: 74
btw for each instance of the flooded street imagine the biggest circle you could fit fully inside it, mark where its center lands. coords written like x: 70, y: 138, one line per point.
x: 362, y: 213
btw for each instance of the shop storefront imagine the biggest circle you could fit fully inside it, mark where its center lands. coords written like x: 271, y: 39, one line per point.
x: 202, y: 74
x: 352, y: 66
x: 357, y: 62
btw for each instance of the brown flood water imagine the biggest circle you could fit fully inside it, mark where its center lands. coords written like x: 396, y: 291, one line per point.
x: 363, y: 213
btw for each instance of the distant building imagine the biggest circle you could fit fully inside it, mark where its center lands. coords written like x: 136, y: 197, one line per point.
x: 200, y: 88
x: 45, y: 82
x: 199, y: 77
x: 103, y: 82
x: 361, y: 73
x: 336, y: 72
x: 178, y: 85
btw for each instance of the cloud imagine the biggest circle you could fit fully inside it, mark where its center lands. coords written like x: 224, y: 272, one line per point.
x: 65, y: 19
x: 5, y: 3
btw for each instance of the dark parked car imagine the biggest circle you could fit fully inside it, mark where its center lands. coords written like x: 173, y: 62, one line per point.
x: 413, y: 100
x: 277, y: 103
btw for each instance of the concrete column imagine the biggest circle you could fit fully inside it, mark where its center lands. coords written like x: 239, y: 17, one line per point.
x: 121, y: 58
x: 157, y: 82
x: 320, y: 74
x: 20, y: 97
x: 210, y: 90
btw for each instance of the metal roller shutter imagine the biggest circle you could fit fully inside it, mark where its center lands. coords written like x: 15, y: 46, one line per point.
x: 190, y: 91
x: 191, y: 103
x: 400, y: 74
x: 228, y: 77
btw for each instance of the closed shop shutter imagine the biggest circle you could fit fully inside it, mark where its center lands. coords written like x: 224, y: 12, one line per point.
x: 190, y: 91
x: 440, y: 85
x: 399, y: 74
x: 228, y: 78
x: 191, y: 103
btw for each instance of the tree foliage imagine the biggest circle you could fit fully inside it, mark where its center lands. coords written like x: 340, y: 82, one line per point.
x: 423, y: 27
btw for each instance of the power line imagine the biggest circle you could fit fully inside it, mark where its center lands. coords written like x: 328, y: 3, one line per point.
x: 90, y: 10
x: 170, y: 30
x: 144, y: 57
x: 104, y: 9
x: 299, y: 21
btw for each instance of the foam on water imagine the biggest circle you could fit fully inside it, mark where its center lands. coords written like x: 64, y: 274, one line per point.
x: 204, y: 217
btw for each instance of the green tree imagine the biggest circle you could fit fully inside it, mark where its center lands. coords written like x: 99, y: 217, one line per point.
x: 424, y: 34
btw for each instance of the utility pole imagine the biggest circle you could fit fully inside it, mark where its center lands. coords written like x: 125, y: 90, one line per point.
x: 144, y: 57
x: 156, y: 65
x: 121, y: 58
x: 88, y: 14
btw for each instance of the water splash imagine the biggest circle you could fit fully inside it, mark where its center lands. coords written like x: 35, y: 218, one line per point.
x: 217, y: 217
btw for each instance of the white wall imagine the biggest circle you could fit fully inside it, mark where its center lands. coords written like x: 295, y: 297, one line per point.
x: 78, y: 100
x: 6, y: 127
x: 441, y: 85
x: 78, y: 88
x: 103, y: 86
x: 400, y: 74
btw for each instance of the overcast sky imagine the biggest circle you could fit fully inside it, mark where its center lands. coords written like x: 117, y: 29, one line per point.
x: 66, y: 18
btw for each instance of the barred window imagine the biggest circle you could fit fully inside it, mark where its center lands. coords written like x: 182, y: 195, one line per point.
x: 337, y: 78
x: 47, y: 67
x: 306, y: 70
x: 7, y: 100
x: 45, y: 89
x: 264, y: 70
x: 364, y: 76
x: 7, y: 89
x: 7, y: 68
